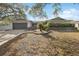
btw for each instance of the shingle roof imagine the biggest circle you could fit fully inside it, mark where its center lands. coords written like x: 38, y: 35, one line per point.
x: 60, y: 20
x: 20, y: 21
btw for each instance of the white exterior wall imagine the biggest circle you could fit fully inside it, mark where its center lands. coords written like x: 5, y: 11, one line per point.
x: 76, y: 25
x: 29, y: 24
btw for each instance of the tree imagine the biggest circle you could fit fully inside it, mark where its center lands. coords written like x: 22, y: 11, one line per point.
x: 11, y: 10
x: 37, y: 10
x: 56, y: 9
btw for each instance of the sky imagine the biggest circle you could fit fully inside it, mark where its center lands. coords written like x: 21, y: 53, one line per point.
x: 69, y: 11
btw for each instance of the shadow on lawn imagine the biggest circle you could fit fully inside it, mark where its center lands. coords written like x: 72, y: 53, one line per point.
x: 46, y: 35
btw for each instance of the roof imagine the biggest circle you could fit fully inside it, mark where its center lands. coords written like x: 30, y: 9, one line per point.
x: 76, y: 21
x: 60, y: 20
x: 20, y: 21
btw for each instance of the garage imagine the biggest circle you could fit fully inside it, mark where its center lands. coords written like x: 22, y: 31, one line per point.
x: 19, y: 24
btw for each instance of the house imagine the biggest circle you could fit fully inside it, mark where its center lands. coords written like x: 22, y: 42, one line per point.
x: 59, y: 20
x: 19, y: 24
x: 63, y: 24
x: 23, y: 24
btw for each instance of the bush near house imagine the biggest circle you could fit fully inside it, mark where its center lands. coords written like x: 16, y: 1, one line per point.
x: 44, y: 26
x: 47, y: 25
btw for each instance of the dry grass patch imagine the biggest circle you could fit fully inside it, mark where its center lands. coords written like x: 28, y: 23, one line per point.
x: 52, y: 44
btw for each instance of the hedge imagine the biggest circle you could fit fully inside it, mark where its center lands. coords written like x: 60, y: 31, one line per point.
x: 63, y: 25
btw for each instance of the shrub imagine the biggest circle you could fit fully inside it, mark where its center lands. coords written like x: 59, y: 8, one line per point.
x: 49, y: 24
x: 44, y: 25
x: 63, y: 25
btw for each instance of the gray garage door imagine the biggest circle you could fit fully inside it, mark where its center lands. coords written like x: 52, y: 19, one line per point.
x: 19, y: 25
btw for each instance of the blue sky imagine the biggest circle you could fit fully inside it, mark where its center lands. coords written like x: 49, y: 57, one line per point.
x: 69, y: 12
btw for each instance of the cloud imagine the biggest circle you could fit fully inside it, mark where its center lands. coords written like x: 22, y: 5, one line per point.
x: 72, y: 14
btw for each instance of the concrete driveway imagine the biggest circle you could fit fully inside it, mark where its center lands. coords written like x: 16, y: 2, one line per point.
x: 5, y: 36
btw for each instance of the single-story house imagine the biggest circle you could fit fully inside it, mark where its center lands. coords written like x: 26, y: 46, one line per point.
x: 18, y: 24
x: 22, y: 24
x: 59, y: 20
x: 60, y: 23
x: 25, y: 24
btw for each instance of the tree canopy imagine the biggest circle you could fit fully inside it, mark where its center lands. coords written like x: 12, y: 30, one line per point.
x: 7, y: 10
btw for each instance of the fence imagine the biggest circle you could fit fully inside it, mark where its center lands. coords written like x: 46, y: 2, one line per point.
x: 6, y: 27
